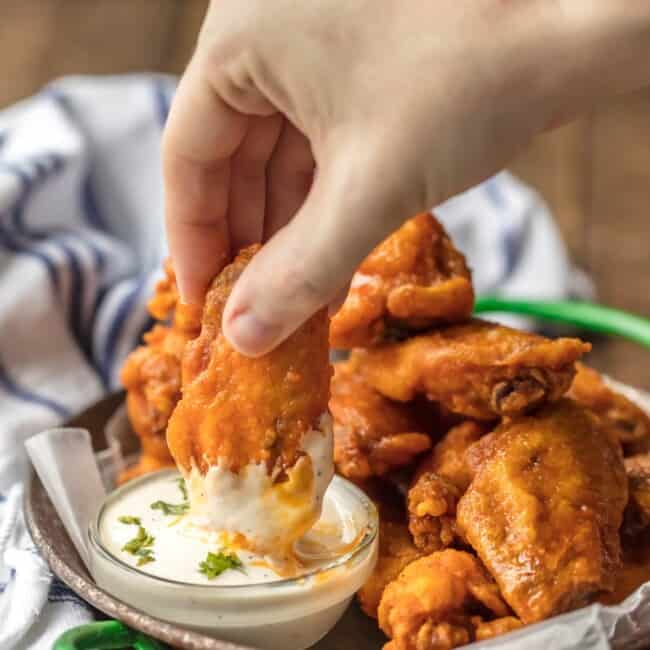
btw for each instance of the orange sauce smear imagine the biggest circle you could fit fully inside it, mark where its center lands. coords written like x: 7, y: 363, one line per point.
x: 290, y: 564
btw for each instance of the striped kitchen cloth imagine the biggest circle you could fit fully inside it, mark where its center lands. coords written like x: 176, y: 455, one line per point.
x: 81, y: 242
x: 80, y: 246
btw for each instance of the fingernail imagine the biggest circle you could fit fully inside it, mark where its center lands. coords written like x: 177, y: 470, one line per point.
x: 249, y: 335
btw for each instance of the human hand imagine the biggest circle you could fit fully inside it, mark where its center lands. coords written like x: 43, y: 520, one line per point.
x: 397, y: 107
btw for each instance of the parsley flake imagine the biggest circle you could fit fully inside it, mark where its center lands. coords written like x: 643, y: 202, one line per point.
x: 216, y: 563
x: 170, y: 508
x: 128, y: 519
x: 140, y: 546
x: 174, y: 508
x: 183, y: 488
x: 145, y: 555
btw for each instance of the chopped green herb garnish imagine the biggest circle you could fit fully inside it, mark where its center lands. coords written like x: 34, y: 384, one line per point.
x: 140, y: 546
x: 216, y: 563
x: 145, y: 555
x: 127, y: 519
x: 170, y: 508
x: 183, y: 488
x: 174, y: 508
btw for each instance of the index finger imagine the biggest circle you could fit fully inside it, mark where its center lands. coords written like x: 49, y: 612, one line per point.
x: 201, y: 135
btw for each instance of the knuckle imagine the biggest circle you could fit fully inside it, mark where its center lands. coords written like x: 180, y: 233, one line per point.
x: 216, y: 50
x: 234, y: 69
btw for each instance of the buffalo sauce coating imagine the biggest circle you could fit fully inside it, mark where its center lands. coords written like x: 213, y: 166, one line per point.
x: 414, y: 279
x: 635, y: 570
x: 236, y: 410
x: 152, y: 374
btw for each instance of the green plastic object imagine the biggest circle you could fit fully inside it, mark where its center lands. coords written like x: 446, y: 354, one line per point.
x: 581, y: 314
x: 106, y: 635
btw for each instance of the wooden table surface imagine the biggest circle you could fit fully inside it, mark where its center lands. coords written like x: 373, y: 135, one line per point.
x: 595, y: 173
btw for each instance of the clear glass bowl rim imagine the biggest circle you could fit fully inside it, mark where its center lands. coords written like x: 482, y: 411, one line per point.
x: 364, y: 543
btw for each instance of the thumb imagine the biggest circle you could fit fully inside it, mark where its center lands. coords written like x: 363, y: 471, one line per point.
x: 348, y: 211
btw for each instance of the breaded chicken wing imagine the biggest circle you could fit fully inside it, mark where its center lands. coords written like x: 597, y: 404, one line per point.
x: 478, y: 369
x: 489, y: 629
x: 439, y: 481
x: 628, y: 422
x: 635, y: 570
x: 447, y: 459
x: 414, y: 279
x: 372, y: 434
x: 544, y: 509
x: 396, y: 551
x: 253, y: 436
x: 163, y: 303
x: 151, y: 375
x: 433, y: 603
x: 637, y: 513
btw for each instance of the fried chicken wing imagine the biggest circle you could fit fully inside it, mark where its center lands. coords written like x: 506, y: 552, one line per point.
x: 396, y: 551
x: 253, y: 436
x: 637, y: 513
x: 372, y: 434
x: 544, y: 509
x: 433, y: 603
x: 489, y: 629
x: 635, y: 570
x: 439, y: 481
x: 396, y: 548
x: 165, y: 299
x: 627, y: 422
x: 478, y: 369
x: 432, y: 502
x: 151, y: 375
x: 414, y: 279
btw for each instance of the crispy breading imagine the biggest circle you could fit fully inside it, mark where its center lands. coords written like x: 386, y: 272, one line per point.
x: 637, y: 513
x: 236, y: 410
x: 151, y: 374
x: 439, y: 481
x: 372, y: 434
x: 478, y: 369
x: 628, y: 422
x: 396, y: 551
x: 414, y: 279
x: 544, y: 509
x: 635, y: 570
x: 431, y: 605
x: 489, y: 629
x: 447, y: 459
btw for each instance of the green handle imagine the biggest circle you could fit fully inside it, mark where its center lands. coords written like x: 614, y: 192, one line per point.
x: 106, y: 635
x: 582, y: 314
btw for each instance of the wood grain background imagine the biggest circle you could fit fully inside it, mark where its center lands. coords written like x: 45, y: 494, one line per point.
x: 595, y: 173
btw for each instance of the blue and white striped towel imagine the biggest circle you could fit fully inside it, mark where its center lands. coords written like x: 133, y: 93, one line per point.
x: 81, y: 242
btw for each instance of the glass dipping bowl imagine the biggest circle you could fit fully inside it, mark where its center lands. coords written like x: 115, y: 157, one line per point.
x: 286, y: 614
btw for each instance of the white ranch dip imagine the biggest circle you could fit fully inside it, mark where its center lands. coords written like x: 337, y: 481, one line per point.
x: 181, y: 542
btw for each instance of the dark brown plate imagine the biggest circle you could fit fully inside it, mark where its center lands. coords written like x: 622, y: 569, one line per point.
x: 355, y: 631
